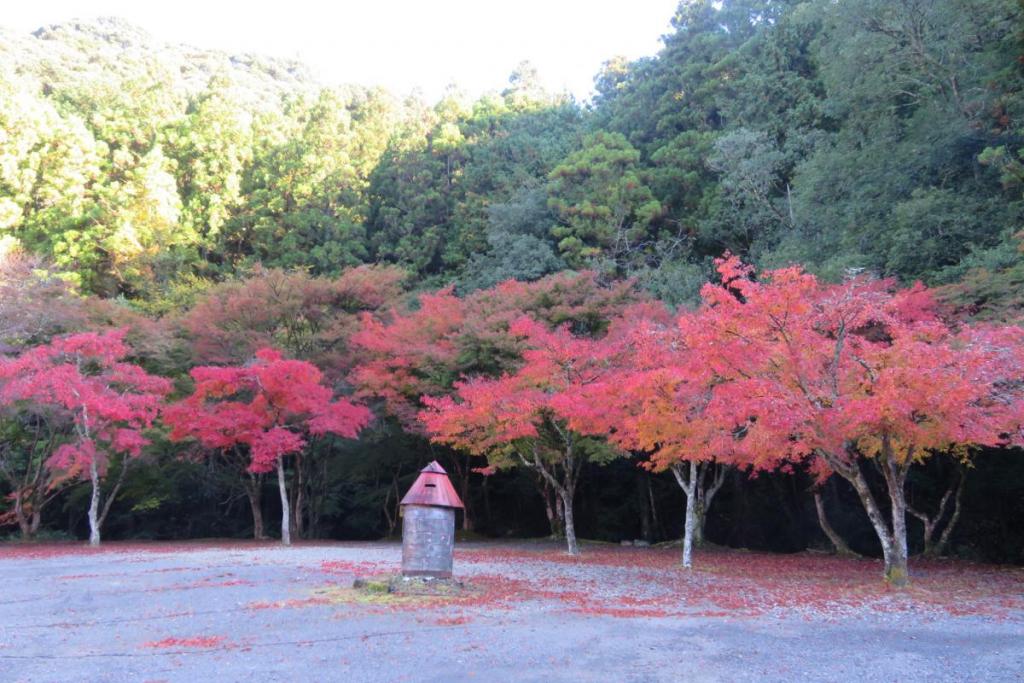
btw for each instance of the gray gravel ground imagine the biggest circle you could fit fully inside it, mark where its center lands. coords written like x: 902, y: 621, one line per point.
x: 108, y: 617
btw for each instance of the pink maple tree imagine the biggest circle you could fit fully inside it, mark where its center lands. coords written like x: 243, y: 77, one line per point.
x: 83, y: 383
x: 267, y: 406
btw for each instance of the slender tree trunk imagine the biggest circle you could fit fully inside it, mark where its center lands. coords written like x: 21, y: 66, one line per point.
x: 564, y: 490
x: 646, y: 525
x: 689, y: 486
x: 654, y: 510
x: 837, y: 541
x: 286, y: 536
x: 486, y: 491
x: 37, y: 517
x: 19, y: 514
x: 552, y: 508
x: 300, y: 497
x: 940, y: 547
x: 700, y: 508
x: 860, y: 485
x: 705, y: 492
x: 254, y: 492
x: 566, y: 497
x: 896, y: 572
x: 935, y: 544
x: 112, y: 495
x: 559, y: 515
x: 256, y: 505
x: 894, y: 542
x: 94, y: 505
x: 463, y: 470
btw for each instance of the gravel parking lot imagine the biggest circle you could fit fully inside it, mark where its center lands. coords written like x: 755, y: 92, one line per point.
x: 259, y: 612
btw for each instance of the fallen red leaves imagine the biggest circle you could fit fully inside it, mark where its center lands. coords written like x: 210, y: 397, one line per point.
x: 288, y: 604
x: 355, y: 568
x: 201, y: 642
x: 42, y: 551
x: 650, y: 583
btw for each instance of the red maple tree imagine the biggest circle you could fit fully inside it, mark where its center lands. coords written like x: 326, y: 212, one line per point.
x: 523, y: 418
x: 102, y: 403
x: 412, y: 354
x: 854, y: 375
x: 266, y: 406
x: 655, y: 402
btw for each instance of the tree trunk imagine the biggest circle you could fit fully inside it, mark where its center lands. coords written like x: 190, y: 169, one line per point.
x: 566, y: 497
x: 254, y: 492
x: 19, y: 514
x: 933, y: 546
x: 894, y: 542
x: 37, y: 517
x: 705, y: 495
x: 552, y: 508
x: 463, y: 470
x: 286, y: 536
x: 298, y: 524
x: 896, y: 572
x: 689, y: 487
x: 654, y: 510
x: 939, y: 547
x: 860, y: 485
x: 255, y: 504
x: 94, y: 505
x: 646, y: 525
x: 559, y: 515
x: 698, y: 523
x: 837, y: 541
x: 564, y: 490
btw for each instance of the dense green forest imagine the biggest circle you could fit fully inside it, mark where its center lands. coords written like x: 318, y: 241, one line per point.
x: 212, y: 203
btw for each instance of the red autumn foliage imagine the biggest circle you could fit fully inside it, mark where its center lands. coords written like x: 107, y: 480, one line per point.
x: 851, y: 374
x: 310, y: 317
x: 422, y: 352
x: 525, y: 418
x: 411, y: 354
x: 83, y: 384
x: 267, y: 406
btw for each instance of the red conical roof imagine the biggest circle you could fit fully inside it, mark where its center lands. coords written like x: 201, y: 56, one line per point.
x: 432, y: 487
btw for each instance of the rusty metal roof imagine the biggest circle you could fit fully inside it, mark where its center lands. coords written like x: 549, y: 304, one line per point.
x: 432, y: 487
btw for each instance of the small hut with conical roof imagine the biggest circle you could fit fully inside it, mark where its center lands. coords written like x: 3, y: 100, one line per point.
x: 428, y: 524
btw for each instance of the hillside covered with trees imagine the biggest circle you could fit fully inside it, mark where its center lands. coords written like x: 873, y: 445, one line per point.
x: 422, y: 267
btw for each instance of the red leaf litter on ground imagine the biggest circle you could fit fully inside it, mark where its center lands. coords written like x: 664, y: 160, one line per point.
x: 650, y: 583
x: 42, y: 551
x: 201, y: 642
x: 453, y: 621
x: 287, y: 604
x: 358, y: 568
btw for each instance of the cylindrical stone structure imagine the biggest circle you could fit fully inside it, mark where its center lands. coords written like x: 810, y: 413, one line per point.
x: 428, y: 524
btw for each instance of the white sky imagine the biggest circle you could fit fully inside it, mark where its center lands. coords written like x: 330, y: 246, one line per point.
x: 400, y: 44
